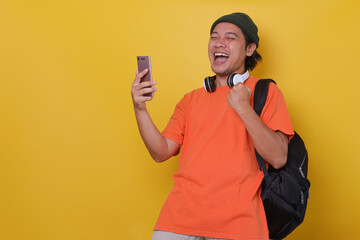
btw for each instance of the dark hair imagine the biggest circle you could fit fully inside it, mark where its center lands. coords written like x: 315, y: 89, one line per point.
x: 252, y: 61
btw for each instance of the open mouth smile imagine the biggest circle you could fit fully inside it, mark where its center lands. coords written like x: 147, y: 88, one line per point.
x: 220, y: 58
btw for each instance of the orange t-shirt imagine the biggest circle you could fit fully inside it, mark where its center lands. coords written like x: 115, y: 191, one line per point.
x: 217, y: 188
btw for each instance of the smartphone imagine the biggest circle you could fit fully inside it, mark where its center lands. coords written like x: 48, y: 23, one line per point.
x: 143, y: 63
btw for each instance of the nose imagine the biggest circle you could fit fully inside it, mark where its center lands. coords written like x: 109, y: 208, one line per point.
x: 220, y: 42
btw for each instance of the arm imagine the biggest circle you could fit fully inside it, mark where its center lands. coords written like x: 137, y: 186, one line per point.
x: 272, y: 146
x: 159, y: 147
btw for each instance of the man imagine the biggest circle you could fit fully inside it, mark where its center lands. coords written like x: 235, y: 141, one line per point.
x: 217, y: 188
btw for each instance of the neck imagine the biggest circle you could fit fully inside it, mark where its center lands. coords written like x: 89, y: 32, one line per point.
x: 221, y: 81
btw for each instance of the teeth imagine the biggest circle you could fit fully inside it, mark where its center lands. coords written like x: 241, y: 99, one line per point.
x: 221, y: 55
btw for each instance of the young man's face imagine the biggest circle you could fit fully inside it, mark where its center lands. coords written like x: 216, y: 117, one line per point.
x: 227, y: 50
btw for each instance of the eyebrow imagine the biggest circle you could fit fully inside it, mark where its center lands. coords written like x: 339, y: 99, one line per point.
x: 231, y: 33
x: 227, y: 33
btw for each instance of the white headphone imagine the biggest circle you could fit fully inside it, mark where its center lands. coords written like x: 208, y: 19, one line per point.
x: 236, y: 78
x: 232, y: 80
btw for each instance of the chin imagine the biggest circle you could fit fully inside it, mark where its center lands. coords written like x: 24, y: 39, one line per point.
x: 221, y: 72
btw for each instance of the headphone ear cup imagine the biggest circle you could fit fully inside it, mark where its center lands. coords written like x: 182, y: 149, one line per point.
x: 230, y: 80
x: 209, y: 84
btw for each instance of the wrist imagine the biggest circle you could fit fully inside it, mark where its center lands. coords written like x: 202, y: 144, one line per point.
x: 244, y: 109
x: 140, y: 109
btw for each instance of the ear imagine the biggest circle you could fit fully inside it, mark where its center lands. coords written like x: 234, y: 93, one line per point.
x: 250, y: 49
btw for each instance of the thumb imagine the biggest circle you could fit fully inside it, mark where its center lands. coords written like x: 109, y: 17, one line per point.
x: 140, y: 75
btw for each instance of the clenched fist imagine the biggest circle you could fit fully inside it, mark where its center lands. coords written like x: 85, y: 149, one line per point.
x: 239, y: 97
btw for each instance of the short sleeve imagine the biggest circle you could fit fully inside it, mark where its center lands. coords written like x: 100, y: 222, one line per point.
x: 275, y: 114
x: 175, y: 128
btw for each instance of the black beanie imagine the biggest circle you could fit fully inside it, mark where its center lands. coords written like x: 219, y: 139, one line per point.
x: 244, y: 22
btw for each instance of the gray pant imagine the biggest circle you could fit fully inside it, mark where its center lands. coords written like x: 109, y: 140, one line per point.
x: 161, y: 235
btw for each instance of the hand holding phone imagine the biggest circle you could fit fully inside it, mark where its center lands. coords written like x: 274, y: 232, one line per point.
x: 144, y: 62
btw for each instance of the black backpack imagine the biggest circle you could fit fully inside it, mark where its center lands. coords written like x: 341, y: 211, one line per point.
x: 284, y: 191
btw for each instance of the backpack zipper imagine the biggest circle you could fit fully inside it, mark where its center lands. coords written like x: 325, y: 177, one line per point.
x: 300, y: 168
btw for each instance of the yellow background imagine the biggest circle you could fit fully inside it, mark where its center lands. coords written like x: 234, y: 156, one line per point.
x: 72, y: 164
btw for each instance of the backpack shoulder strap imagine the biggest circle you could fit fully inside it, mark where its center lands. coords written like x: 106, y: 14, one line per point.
x: 260, y: 96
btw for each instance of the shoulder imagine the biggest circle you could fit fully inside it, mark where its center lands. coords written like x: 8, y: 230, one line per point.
x: 194, y: 94
x: 252, y: 81
x: 273, y: 87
